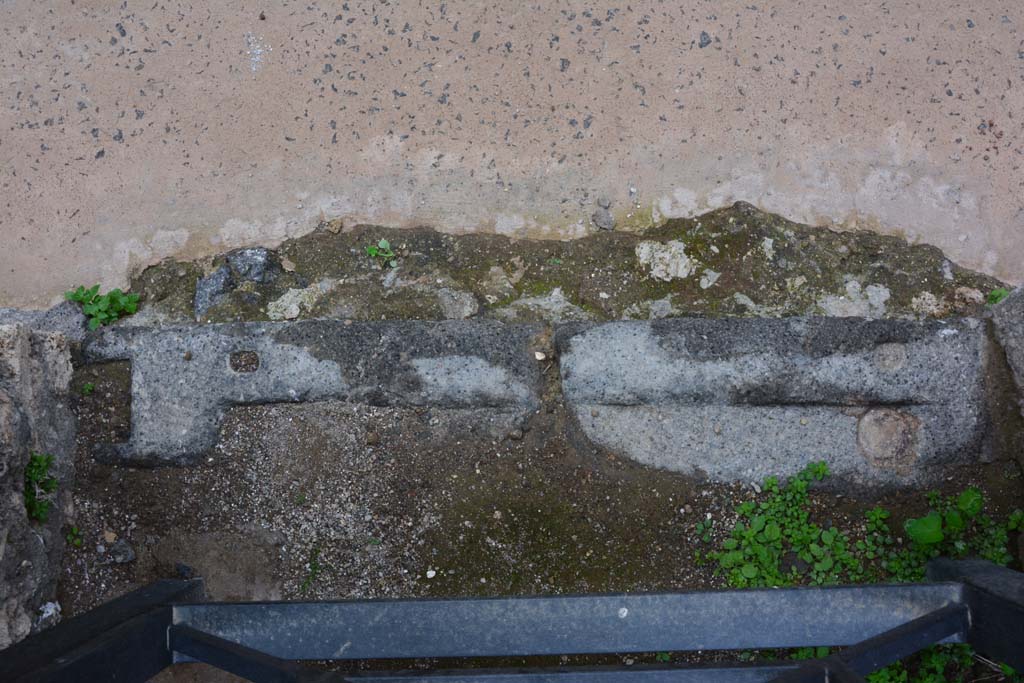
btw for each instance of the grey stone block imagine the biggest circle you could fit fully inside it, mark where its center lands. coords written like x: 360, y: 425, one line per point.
x: 185, y: 378
x: 603, y: 219
x: 882, y: 401
x: 35, y: 373
x: 66, y: 318
x: 255, y: 264
x: 211, y: 289
x: 1008, y: 319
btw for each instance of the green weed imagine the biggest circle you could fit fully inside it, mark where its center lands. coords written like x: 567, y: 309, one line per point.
x: 382, y: 252
x: 40, y: 487
x: 997, y: 295
x: 312, y: 569
x: 74, y: 537
x: 776, y: 543
x: 956, y: 527
x: 103, y: 309
x: 937, y: 664
x: 704, y: 529
x: 811, y: 653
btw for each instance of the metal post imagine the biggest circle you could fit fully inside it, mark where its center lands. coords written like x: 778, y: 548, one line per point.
x: 886, y: 648
x: 123, y: 640
x: 239, y: 660
x: 995, y: 598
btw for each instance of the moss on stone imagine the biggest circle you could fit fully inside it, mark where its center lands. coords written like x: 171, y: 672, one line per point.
x: 763, y: 263
x: 170, y: 287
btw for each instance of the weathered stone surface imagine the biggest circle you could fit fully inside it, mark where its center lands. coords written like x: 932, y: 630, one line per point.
x: 457, y: 305
x: 35, y: 372
x: 667, y: 261
x: 293, y: 302
x: 254, y: 264
x: 732, y: 262
x: 183, y: 381
x: 65, y: 318
x: 883, y: 402
x: 603, y: 219
x: 552, y: 307
x: 211, y: 288
x: 1008, y: 317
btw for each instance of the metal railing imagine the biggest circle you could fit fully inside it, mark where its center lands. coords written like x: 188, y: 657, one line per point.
x: 136, y: 636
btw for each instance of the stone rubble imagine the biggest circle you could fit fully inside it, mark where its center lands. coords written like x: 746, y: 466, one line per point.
x: 35, y: 373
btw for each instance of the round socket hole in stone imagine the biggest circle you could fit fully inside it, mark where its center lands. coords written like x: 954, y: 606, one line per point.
x: 245, y: 361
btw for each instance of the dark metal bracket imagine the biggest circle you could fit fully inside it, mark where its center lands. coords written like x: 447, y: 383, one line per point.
x: 136, y: 636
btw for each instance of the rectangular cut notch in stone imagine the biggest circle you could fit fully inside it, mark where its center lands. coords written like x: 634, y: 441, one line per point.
x: 185, y: 378
x: 882, y: 401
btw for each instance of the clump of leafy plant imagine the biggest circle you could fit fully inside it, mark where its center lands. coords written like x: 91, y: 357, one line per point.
x: 88, y: 388
x: 997, y: 295
x: 775, y: 543
x: 935, y: 665
x: 954, y: 527
x: 704, y: 529
x: 383, y: 253
x: 74, y: 537
x: 40, y: 487
x: 103, y: 309
x: 313, y: 569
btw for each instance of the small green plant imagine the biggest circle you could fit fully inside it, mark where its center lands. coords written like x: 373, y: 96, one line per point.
x: 1009, y: 673
x: 74, y: 537
x: 663, y: 657
x: 997, y: 295
x: 382, y: 252
x: 103, y: 309
x: 775, y: 543
x: 40, y: 487
x: 936, y: 664
x: 894, y: 673
x: 703, y: 528
x: 956, y: 527
x: 312, y: 569
x: 554, y: 261
x: 88, y: 388
x: 811, y: 653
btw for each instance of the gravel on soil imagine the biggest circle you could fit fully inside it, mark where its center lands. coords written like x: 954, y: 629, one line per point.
x: 331, y: 501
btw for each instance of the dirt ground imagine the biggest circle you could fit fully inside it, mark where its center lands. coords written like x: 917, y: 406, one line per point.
x: 332, y: 500
x: 329, y: 500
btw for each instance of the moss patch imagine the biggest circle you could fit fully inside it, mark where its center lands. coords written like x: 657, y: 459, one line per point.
x: 745, y: 262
